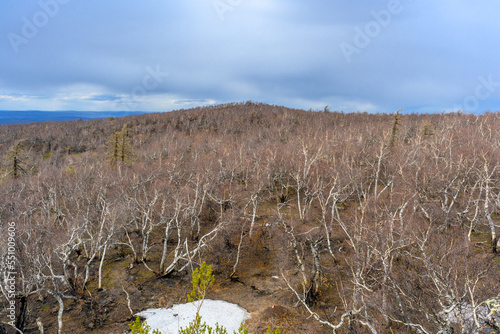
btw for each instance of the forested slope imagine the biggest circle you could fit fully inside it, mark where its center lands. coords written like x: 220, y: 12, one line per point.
x: 372, y: 223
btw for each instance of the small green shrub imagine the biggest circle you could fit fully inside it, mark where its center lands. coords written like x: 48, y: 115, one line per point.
x: 141, y: 327
x: 197, y: 327
x: 71, y: 169
x: 202, y: 280
x: 276, y: 331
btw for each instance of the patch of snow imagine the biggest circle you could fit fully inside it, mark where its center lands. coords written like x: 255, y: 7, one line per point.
x: 466, y: 312
x: 169, y: 321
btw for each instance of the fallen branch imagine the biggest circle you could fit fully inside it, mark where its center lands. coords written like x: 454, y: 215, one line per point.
x: 128, y: 301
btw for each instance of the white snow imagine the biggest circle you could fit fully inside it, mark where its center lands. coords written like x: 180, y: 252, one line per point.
x: 169, y: 321
x: 465, y: 311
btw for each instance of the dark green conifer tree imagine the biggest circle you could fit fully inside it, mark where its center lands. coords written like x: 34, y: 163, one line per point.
x: 16, y: 160
x: 120, y: 147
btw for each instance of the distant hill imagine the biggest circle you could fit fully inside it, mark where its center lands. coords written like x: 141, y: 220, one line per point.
x: 28, y: 116
x: 311, y: 220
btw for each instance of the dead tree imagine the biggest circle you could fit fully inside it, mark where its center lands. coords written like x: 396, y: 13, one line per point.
x: 313, y: 291
x: 487, y: 178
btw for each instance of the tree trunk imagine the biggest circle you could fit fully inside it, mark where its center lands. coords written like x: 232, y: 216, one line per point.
x: 22, y: 313
x: 61, y: 309
x: 39, y: 324
x: 60, y: 314
x: 487, y: 212
x: 165, y: 248
x: 254, y: 203
x: 313, y: 292
x: 100, y: 265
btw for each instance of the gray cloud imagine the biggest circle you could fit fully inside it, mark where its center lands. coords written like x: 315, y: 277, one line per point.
x: 419, y: 55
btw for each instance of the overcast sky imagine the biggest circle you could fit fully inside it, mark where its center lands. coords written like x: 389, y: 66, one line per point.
x: 153, y: 55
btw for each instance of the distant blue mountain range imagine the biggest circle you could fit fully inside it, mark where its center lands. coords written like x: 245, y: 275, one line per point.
x: 9, y: 117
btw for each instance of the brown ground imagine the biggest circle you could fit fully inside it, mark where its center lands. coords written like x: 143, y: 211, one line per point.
x: 254, y: 288
x: 257, y: 287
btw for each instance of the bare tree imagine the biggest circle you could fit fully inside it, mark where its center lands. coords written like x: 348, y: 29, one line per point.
x: 487, y: 178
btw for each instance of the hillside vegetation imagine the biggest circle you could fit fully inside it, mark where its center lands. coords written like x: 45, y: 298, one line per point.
x: 316, y: 222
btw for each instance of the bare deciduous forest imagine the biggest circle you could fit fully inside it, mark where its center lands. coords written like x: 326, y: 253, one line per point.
x: 318, y: 222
